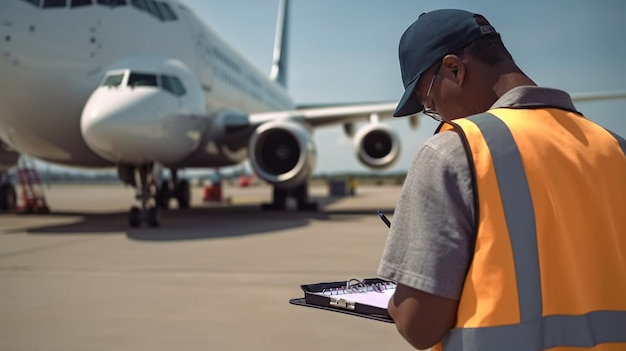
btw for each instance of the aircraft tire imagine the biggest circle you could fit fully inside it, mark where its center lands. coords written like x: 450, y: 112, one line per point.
x: 134, y: 217
x: 162, y: 196
x: 183, y: 194
x: 153, y: 217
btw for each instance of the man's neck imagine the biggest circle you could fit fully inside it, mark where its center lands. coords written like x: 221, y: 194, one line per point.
x: 509, y: 79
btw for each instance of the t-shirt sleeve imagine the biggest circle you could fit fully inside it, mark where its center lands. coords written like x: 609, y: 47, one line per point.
x: 431, y: 240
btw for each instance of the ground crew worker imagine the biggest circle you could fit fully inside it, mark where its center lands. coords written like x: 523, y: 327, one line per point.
x: 510, y: 232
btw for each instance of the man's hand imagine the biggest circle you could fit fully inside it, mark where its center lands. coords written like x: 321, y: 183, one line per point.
x: 422, y: 319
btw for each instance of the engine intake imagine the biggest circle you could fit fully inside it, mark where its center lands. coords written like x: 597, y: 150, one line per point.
x: 282, y: 153
x: 377, y: 145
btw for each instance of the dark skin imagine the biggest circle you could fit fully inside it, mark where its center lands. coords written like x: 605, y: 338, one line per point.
x: 464, y: 86
x: 422, y: 319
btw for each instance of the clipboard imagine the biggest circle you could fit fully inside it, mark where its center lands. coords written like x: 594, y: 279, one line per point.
x: 367, y: 298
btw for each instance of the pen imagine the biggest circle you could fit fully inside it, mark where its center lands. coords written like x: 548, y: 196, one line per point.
x: 384, y: 218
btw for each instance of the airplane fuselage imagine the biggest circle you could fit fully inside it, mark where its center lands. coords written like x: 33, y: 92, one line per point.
x: 53, y: 60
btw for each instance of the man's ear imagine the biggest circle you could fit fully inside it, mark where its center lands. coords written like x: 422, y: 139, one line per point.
x: 454, y: 69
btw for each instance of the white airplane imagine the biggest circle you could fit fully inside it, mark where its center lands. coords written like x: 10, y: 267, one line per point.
x: 144, y: 85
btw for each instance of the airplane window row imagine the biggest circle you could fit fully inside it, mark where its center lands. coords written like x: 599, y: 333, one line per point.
x: 229, y: 79
x: 250, y: 85
x: 158, y: 9
x: 247, y: 84
x: 223, y: 58
x: 169, y: 83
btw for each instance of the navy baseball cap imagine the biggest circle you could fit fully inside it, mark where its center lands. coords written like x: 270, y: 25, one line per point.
x: 429, y: 39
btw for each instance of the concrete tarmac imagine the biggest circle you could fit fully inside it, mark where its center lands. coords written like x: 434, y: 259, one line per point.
x: 215, y: 277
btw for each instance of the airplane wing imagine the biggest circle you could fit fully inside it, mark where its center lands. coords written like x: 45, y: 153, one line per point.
x: 346, y: 113
x: 608, y: 95
x: 327, y: 115
x: 281, y: 149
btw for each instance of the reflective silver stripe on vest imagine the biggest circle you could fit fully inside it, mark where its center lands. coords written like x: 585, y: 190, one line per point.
x: 553, y: 331
x: 518, y: 211
x: 535, y: 332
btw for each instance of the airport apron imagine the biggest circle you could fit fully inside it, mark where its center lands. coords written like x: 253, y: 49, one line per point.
x: 549, y: 264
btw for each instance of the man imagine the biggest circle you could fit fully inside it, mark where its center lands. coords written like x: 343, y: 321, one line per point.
x: 510, y: 232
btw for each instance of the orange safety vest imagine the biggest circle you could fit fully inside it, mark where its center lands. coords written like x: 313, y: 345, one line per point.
x: 549, y: 264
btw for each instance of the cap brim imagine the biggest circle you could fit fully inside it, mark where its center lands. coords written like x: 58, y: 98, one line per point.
x: 409, y: 103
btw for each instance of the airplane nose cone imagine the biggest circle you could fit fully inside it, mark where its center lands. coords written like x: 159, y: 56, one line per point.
x: 133, y: 127
x: 107, y: 125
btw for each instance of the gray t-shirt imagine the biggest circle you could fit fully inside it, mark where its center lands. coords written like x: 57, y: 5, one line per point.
x: 431, y: 241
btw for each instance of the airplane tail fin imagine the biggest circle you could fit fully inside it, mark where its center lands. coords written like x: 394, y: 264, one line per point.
x: 278, y: 72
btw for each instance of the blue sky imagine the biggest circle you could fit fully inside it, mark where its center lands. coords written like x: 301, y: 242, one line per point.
x: 346, y: 51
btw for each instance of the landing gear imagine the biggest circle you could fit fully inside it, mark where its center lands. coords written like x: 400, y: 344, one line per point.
x: 183, y: 194
x: 146, y: 191
x: 142, y: 179
x: 153, y: 193
x: 163, y: 196
x: 134, y: 217
x: 177, y: 189
x: 299, y: 193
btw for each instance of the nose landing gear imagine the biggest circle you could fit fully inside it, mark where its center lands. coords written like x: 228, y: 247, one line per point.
x: 153, y: 193
x: 150, y: 216
x: 147, y: 212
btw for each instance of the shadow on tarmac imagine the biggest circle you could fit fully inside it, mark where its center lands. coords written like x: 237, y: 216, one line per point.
x: 201, y: 223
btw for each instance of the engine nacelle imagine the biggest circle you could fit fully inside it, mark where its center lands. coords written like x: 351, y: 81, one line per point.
x: 377, y: 145
x: 282, y: 153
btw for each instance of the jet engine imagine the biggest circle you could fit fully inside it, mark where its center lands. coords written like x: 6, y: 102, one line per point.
x: 282, y: 153
x: 377, y: 145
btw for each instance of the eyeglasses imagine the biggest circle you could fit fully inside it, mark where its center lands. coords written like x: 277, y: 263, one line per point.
x: 428, y: 111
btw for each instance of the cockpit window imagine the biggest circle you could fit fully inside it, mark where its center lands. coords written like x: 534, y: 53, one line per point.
x: 173, y: 85
x: 169, y: 83
x: 77, y: 3
x: 113, y: 80
x: 153, y: 8
x: 55, y: 3
x: 140, y: 4
x: 142, y: 79
x: 167, y: 11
